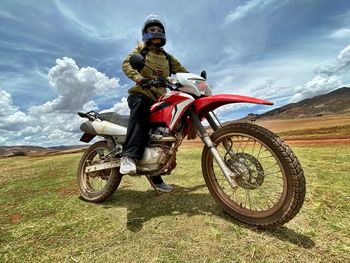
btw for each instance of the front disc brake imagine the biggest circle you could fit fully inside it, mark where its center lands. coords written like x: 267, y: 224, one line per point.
x: 250, y: 171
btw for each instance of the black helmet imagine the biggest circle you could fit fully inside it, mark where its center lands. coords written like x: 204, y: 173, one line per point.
x: 151, y: 21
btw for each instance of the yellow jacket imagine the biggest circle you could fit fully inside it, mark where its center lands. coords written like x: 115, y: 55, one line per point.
x: 155, y: 59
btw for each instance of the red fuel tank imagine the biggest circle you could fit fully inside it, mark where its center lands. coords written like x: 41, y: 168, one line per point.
x: 169, y: 108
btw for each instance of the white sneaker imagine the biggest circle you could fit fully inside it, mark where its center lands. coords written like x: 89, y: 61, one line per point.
x: 127, y: 166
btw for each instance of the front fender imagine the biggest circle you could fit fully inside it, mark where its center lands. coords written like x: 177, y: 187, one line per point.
x: 206, y: 104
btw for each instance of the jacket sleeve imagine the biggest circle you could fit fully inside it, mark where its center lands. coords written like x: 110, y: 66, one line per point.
x: 129, y: 71
x: 176, y: 66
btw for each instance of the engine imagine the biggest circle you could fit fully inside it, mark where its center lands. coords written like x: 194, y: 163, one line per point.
x: 158, y: 151
x: 163, y: 131
x: 153, y: 159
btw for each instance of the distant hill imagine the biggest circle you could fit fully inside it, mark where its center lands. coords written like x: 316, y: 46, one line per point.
x: 20, y: 150
x: 35, y: 150
x: 333, y: 103
x: 66, y: 147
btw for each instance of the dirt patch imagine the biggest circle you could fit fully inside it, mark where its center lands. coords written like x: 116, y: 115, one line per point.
x: 64, y: 192
x: 307, y: 142
x: 283, y: 125
x: 319, y: 142
x: 15, y: 218
x: 192, y: 143
x: 69, y: 189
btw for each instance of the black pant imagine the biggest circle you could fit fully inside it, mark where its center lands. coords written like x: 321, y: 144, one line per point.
x: 138, y: 127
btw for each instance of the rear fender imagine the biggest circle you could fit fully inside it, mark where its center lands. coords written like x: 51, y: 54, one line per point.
x: 87, y: 137
x: 206, y: 104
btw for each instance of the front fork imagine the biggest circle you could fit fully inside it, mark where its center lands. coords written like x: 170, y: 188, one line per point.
x: 229, y: 175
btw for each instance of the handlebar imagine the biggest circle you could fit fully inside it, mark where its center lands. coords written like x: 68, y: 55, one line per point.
x: 160, y: 82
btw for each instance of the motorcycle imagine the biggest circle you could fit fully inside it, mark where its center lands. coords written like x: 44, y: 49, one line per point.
x: 249, y: 171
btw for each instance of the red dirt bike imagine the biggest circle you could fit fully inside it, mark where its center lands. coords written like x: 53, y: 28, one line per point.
x: 250, y: 172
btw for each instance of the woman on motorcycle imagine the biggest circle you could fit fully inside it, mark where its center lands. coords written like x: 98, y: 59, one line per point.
x: 159, y: 65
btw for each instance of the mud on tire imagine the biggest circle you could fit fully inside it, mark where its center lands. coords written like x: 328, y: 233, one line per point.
x: 97, y: 186
x: 289, y: 176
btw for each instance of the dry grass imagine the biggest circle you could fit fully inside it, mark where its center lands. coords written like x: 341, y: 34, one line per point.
x: 282, y: 125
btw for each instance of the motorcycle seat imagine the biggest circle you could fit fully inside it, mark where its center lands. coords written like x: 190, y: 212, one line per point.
x: 115, y: 118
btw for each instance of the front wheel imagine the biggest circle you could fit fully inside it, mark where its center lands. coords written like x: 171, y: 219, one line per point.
x: 271, y: 183
x: 97, y: 186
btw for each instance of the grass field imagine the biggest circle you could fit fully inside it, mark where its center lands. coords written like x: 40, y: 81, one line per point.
x: 42, y: 219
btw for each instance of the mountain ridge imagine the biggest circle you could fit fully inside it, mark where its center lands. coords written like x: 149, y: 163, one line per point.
x: 333, y: 103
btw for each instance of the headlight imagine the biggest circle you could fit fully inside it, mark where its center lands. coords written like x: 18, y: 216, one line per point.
x: 172, y: 80
x: 203, y: 87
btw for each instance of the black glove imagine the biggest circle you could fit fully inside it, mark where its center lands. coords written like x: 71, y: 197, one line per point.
x: 144, y: 83
x: 162, y: 82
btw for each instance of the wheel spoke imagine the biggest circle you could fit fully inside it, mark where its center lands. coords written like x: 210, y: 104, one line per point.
x: 273, y: 173
x: 253, y: 148
x: 248, y: 194
x: 240, y: 145
x: 266, y: 157
x: 263, y: 187
x: 246, y: 145
x: 261, y: 152
x: 266, y: 195
x: 271, y: 167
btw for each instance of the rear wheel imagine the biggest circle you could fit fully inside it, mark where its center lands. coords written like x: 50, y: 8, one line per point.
x: 271, y: 183
x: 97, y: 186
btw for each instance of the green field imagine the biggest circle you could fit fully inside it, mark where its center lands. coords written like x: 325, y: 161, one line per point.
x: 43, y: 220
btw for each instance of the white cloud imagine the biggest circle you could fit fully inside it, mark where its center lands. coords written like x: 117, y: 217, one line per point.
x: 11, y: 118
x: 3, y: 140
x: 232, y: 111
x: 344, y: 58
x: 120, y: 107
x: 274, y: 80
x: 318, y: 85
x: 8, y: 15
x: 90, y: 105
x: 55, y: 122
x: 75, y: 87
x: 285, y: 70
x: 270, y: 89
x: 76, y: 21
x: 341, y: 64
x: 343, y: 33
x: 327, y: 78
x: 6, y: 106
x: 15, y: 122
x: 251, y: 6
x: 47, y: 130
x: 327, y: 69
x: 96, y: 27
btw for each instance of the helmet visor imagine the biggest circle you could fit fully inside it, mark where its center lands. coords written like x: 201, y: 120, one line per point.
x: 154, y: 29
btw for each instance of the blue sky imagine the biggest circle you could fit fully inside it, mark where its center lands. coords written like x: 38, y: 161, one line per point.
x: 59, y: 57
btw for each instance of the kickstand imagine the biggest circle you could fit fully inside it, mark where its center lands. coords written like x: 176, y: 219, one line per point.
x: 153, y: 185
